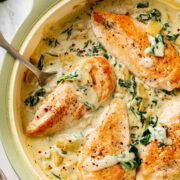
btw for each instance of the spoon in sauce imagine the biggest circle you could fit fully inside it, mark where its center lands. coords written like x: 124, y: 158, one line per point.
x: 41, y: 76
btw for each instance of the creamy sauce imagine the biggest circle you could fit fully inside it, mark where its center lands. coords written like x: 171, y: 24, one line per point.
x: 73, y: 47
x: 91, y: 164
x: 159, y: 134
x: 146, y: 62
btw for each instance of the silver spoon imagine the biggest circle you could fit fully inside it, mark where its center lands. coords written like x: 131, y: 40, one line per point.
x: 41, y: 76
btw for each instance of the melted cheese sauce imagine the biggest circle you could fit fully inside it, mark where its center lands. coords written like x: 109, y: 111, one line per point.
x: 61, y: 48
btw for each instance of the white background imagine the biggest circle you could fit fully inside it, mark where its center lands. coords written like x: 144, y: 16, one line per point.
x: 12, y: 14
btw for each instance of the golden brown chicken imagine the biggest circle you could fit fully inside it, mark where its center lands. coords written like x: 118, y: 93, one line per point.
x: 163, y: 162
x: 126, y: 38
x: 63, y: 107
x: 109, y: 138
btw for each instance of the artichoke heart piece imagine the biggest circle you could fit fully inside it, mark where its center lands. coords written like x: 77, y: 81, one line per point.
x: 143, y: 105
x: 125, y: 74
x: 153, y: 28
x: 69, y: 144
x: 58, y: 159
x: 141, y: 91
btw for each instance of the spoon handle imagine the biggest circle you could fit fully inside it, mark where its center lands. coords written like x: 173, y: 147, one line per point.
x: 14, y: 53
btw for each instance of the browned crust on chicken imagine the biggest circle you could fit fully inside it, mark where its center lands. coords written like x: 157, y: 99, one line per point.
x: 163, y: 162
x: 109, y: 138
x: 62, y: 108
x: 126, y: 38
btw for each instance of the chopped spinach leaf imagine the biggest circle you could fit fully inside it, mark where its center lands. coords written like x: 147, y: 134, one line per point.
x: 165, y: 26
x: 58, y: 177
x: 131, y: 108
x: 133, y: 83
x: 34, y: 99
x: 51, y: 54
x: 89, y: 52
x: 106, y: 55
x: 132, y: 135
x: 160, y: 144
x: 90, y: 106
x: 145, y: 137
x: 143, y: 5
x: 119, y: 65
x: 134, y: 127
x: 83, y: 89
x: 68, y: 31
x: 142, y: 118
x: 115, y: 63
x: 63, y: 151
x: 40, y: 63
x: 68, y: 76
x: 170, y: 93
x: 144, y: 17
x: 51, y: 41
x: 126, y: 84
x: 139, y: 100
x: 154, y: 14
x: 56, y: 43
x: 172, y: 37
x: 135, y: 162
x: 159, y: 39
x: 153, y: 121
x: 99, y: 47
x: 87, y: 43
x: 154, y: 101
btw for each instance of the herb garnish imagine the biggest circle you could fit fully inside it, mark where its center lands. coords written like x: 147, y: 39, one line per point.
x: 34, y: 99
x: 147, y: 134
x: 157, y: 133
x: 83, y: 89
x: 172, y: 37
x: 126, y: 84
x: 87, y: 43
x: 63, y: 151
x: 145, y: 137
x: 159, y: 39
x: 141, y: 116
x: 68, y: 31
x: 165, y: 26
x: 153, y: 121
x: 51, y: 41
x: 133, y: 164
x: 58, y: 177
x: 89, y: 105
x: 40, y: 63
x: 68, y: 76
x: 143, y: 5
x: 51, y: 54
x: 131, y: 85
x: 154, y: 14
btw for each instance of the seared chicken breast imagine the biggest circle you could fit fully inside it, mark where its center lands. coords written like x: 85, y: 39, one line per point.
x: 163, y: 162
x: 109, y: 138
x: 126, y: 38
x: 62, y: 108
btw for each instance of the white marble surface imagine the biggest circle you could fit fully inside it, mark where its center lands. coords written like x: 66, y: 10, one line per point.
x: 12, y: 14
